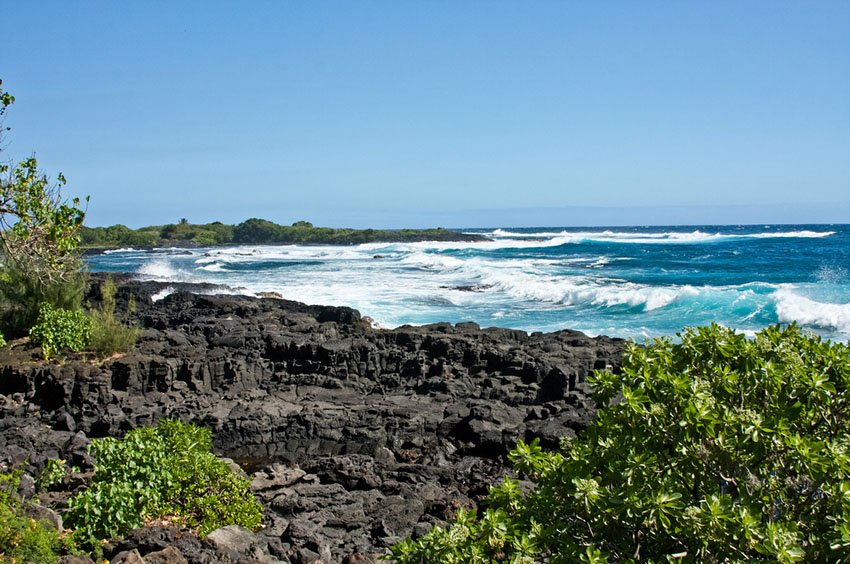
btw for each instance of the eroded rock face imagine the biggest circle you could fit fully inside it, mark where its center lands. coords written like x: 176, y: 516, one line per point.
x: 355, y: 437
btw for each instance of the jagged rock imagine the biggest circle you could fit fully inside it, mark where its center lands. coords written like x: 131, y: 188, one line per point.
x: 239, y: 543
x: 75, y: 559
x: 353, y: 436
x: 168, y: 555
x: 44, y: 514
x: 128, y: 557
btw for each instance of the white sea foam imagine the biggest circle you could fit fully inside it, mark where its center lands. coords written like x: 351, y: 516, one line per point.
x: 294, y: 252
x: 213, y: 267
x: 531, y: 280
x: 600, y: 262
x: 791, y: 306
x: 798, y: 234
x: 162, y: 294
x: 538, y: 289
x: 158, y: 270
x: 831, y: 274
x: 583, y: 291
x: 122, y: 250
x: 648, y: 237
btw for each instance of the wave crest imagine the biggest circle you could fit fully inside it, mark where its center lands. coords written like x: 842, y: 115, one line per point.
x: 792, y: 307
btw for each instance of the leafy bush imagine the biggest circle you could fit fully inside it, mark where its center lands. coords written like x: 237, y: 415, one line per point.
x: 2, y: 340
x: 23, y: 539
x: 59, y: 329
x: 717, y: 449
x: 167, y: 471
x: 22, y: 293
x: 110, y: 335
x: 39, y: 242
x: 53, y: 473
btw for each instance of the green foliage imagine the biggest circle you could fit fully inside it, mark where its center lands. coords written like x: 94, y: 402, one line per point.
x: 53, y: 473
x: 6, y: 99
x: 254, y: 232
x: 167, y: 471
x: 215, y: 233
x: 58, y: 329
x: 23, y: 539
x: 110, y: 335
x: 2, y: 340
x: 39, y: 243
x: 22, y: 293
x: 261, y: 231
x: 117, y: 236
x: 718, y: 448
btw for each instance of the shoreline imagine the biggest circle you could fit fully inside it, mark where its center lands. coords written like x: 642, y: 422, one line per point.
x: 210, y: 289
x: 384, y: 429
x: 637, y: 283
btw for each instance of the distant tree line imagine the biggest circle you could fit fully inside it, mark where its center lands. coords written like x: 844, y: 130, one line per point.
x: 255, y: 231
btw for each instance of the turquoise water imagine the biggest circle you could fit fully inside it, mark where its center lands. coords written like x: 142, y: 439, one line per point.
x: 620, y: 281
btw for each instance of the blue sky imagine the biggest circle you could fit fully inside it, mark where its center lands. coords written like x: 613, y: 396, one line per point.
x: 391, y: 114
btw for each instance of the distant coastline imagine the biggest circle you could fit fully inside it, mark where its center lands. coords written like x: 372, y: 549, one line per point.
x: 255, y: 231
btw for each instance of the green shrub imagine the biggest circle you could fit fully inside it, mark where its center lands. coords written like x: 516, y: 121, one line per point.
x: 110, y: 335
x: 2, y: 340
x: 53, y: 473
x: 22, y: 292
x: 23, y: 539
x: 165, y: 471
x: 59, y: 329
x: 717, y: 449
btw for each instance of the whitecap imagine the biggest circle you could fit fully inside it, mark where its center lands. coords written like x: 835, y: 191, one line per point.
x: 162, y: 294
x: 799, y: 234
x: 791, y: 306
x: 213, y: 267
x: 157, y: 270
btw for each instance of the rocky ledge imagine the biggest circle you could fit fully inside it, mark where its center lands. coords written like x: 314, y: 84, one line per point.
x: 355, y: 437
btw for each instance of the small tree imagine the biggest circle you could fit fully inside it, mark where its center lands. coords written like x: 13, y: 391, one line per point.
x: 39, y: 228
x: 39, y: 241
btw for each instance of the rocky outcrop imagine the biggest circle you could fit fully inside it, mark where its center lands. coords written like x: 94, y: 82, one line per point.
x: 354, y: 436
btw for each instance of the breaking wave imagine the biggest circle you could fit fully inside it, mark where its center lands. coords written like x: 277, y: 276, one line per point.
x: 792, y: 307
x: 622, y: 282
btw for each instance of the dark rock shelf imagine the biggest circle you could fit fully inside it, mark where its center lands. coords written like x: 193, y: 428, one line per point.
x: 355, y: 436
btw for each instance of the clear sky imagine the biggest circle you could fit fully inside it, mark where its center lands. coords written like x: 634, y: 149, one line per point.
x: 453, y: 113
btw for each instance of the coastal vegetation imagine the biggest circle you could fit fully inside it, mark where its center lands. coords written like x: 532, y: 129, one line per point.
x: 109, y: 333
x: 60, y: 329
x: 22, y: 538
x: 717, y: 448
x: 163, y: 472
x: 39, y: 244
x: 42, y: 276
x: 713, y: 448
x: 255, y: 232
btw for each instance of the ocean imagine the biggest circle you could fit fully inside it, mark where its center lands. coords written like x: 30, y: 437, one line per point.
x: 634, y: 282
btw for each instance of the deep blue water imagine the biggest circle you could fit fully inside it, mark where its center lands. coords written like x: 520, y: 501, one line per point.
x: 621, y: 281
